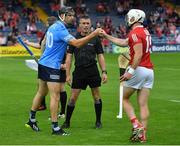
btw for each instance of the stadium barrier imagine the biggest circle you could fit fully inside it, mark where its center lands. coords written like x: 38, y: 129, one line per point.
x: 17, y: 50
x: 166, y: 48
x: 155, y: 48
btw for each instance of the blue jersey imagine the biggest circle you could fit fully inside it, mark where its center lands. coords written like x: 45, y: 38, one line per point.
x: 57, y: 38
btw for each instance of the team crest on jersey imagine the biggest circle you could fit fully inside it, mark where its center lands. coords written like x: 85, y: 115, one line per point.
x: 134, y: 37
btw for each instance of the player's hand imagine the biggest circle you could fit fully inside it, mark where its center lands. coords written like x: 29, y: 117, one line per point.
x: 102, y: 33
x: 126, y: 76
x: 98, y: 31
x: 68, y: 80
x: 26, y: 41
x: 63, y: 66
x: 104, y: 78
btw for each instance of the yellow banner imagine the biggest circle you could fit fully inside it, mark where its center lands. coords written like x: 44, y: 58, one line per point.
x: 17, y: 50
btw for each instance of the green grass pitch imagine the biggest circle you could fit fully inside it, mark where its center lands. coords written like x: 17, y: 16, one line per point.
x: 18, y: 86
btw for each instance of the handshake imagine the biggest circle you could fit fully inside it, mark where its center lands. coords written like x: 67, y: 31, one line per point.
x: 100, y: 32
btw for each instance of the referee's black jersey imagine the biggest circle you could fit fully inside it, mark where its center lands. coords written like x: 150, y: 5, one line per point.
x: 86, y: 55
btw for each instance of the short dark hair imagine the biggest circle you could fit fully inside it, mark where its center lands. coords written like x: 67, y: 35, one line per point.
x: 84, y: 17
x: 66, y: 10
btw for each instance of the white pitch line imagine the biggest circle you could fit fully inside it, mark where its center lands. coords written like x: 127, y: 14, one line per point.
x: 174, y: 100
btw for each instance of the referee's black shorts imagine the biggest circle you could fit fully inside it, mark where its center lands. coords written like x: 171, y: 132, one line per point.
x: 62, y: 76
x: 84, y: 76
x: 51, y: 75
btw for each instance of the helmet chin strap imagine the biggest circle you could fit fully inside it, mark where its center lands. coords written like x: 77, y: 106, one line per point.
x: 62, y: 18
x: 139, y: 19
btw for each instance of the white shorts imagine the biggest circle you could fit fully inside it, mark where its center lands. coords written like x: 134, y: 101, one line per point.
x: 142, y: 78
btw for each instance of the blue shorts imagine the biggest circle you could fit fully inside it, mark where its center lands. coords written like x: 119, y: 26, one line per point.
x: 48, y: 74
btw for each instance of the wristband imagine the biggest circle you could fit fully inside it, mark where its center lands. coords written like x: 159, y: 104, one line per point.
x: 104, y: 71
x: 130, y: 70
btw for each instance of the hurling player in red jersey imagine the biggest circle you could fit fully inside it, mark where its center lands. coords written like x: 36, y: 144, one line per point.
x: 139, y: 75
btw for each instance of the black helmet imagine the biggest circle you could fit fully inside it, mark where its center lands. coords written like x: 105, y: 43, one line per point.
x: 65, y: 10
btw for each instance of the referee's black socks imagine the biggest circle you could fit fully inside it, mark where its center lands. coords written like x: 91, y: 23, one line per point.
x: 70, y: 109
x: 98, y: 109
x: 63, y: 100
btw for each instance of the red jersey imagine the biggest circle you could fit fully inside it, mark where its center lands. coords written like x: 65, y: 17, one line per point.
x: 141, y: 35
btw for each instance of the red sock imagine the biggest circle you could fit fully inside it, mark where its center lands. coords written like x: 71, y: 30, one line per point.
x: 135, y: 122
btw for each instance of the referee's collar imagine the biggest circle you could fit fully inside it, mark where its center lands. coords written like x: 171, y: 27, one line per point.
x: 78, y: 34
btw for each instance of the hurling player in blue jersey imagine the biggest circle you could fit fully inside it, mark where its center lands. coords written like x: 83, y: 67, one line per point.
x: 57, y: 39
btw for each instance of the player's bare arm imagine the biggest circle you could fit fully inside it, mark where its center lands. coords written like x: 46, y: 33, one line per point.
x: 117, y: 41
x: 138, y: 55
x: 32, y: 44
x: 102, y: 65
x: 78, y: 43
x: 43, y: 43
x: 137, y: 58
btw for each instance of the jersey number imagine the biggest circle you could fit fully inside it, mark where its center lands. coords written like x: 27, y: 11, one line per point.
x: 49, y: 39
x: 148, y: 40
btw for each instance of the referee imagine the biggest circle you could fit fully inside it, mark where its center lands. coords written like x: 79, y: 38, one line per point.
x: 86, y: 71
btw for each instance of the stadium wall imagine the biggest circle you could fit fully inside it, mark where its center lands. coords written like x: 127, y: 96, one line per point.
x: 20, y: 51
x: 166, y: 48
x: 155, y: 48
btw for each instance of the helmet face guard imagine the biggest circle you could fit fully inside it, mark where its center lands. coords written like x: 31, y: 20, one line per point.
x: 126, y: 20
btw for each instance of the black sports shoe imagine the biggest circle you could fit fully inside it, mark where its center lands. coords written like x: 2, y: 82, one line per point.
x: 33, y: 125
x: 98, y: 125
x: 60, y: 132
x: 65, y: 125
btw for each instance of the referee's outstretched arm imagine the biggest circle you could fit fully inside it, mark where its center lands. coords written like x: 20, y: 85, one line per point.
x: 68, y: 68
x: 78, y: 43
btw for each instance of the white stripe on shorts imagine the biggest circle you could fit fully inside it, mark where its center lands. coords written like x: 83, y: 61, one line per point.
x: 142, y: 78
